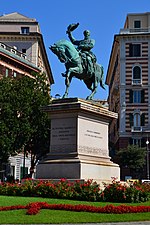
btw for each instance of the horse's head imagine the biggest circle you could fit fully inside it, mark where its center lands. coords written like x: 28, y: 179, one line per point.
x: 60, y: 52
x: 65, y: 51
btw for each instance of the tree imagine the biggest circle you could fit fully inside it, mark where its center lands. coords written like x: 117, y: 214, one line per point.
x: 7, y: 137
x: 23, y: 124
x: 132, y: 157
x: 38, y: 144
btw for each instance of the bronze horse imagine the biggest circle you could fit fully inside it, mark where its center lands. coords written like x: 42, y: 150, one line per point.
x: 68, y: 54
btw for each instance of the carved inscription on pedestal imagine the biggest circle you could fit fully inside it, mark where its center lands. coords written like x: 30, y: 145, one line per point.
x: 92, y: 138
x: 63, y: 135
x: 93, y: 134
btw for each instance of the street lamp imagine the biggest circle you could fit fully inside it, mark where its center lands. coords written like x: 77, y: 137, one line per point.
x: 147, y: 142
x: 24, y: 162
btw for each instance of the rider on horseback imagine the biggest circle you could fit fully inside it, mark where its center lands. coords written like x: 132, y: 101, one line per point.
x: 84, y: 47
x: 70, y: 56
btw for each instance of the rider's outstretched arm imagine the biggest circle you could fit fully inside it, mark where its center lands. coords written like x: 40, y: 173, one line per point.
x: 72, y: 39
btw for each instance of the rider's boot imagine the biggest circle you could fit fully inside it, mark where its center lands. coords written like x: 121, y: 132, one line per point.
x: 90, y: 68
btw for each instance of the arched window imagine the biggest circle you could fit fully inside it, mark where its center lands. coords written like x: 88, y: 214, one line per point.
x: 137, y: 78
x: 137, y: 119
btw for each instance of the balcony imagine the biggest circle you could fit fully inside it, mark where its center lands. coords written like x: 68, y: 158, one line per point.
x: 12, y: 50
x: 134, y: 30
x: 136, y: 129
x: 136, y: 82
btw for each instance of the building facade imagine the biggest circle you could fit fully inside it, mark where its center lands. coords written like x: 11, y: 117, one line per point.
x: 128, y: 78
x: 14, y: 64
x: 23, y: 34
x: 22, y: 53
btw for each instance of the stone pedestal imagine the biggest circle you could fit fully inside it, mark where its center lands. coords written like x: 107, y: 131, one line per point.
x: 78, y: 142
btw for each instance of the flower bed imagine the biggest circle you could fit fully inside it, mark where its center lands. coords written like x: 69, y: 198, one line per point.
x: 35, y: 207
x: 86, y: 191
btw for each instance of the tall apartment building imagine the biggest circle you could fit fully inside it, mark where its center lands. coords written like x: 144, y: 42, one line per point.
x: 128, y: 78
x: 14, y: 63
x: 24, y: 35
x: 22, y: 52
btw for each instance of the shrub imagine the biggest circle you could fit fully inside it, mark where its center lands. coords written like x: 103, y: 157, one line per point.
x: 129, y: 193
x: 86, y: 191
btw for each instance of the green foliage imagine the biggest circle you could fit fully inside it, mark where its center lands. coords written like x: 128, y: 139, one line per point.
x: 87, y: 190
x: 125, y: 193
x: 132, y: 157
x: 83, y: 191
x: 23, y: 123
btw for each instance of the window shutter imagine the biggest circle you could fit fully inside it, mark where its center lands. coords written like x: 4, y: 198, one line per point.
x: 143, y: 142
x: 130, y: 50
x: 131, y: 119
x: 130, y: 96
x: 142, y: 96
x: 143, y: 119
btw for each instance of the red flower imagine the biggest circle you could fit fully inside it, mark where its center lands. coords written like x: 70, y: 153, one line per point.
x: 34, y: 208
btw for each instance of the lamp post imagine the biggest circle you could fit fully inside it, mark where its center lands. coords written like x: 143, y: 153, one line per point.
x: 24, y: 160
x: 147, y: 157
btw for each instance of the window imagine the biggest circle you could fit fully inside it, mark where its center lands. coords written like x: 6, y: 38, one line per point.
x: 137, y: 24
x: 136, y: 75
x: 136, y: 72
x: 136, y: 142
x: 134, y: 50
x: 7, y: 72
x: 137, y: 96
x: 14, y: 74
x: 139, y: 119
x: 24, y: 30
x: 136, y: 120
x: 24, y: 50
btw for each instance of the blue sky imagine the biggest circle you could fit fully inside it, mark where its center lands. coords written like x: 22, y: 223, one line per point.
x: 103, y: 18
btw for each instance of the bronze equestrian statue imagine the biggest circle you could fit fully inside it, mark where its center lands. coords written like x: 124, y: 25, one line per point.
x: 80, y: 61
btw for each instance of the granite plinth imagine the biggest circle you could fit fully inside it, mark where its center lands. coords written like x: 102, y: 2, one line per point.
x: 78, y: 142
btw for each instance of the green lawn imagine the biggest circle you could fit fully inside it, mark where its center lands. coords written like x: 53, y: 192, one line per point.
x: 58, y: 216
